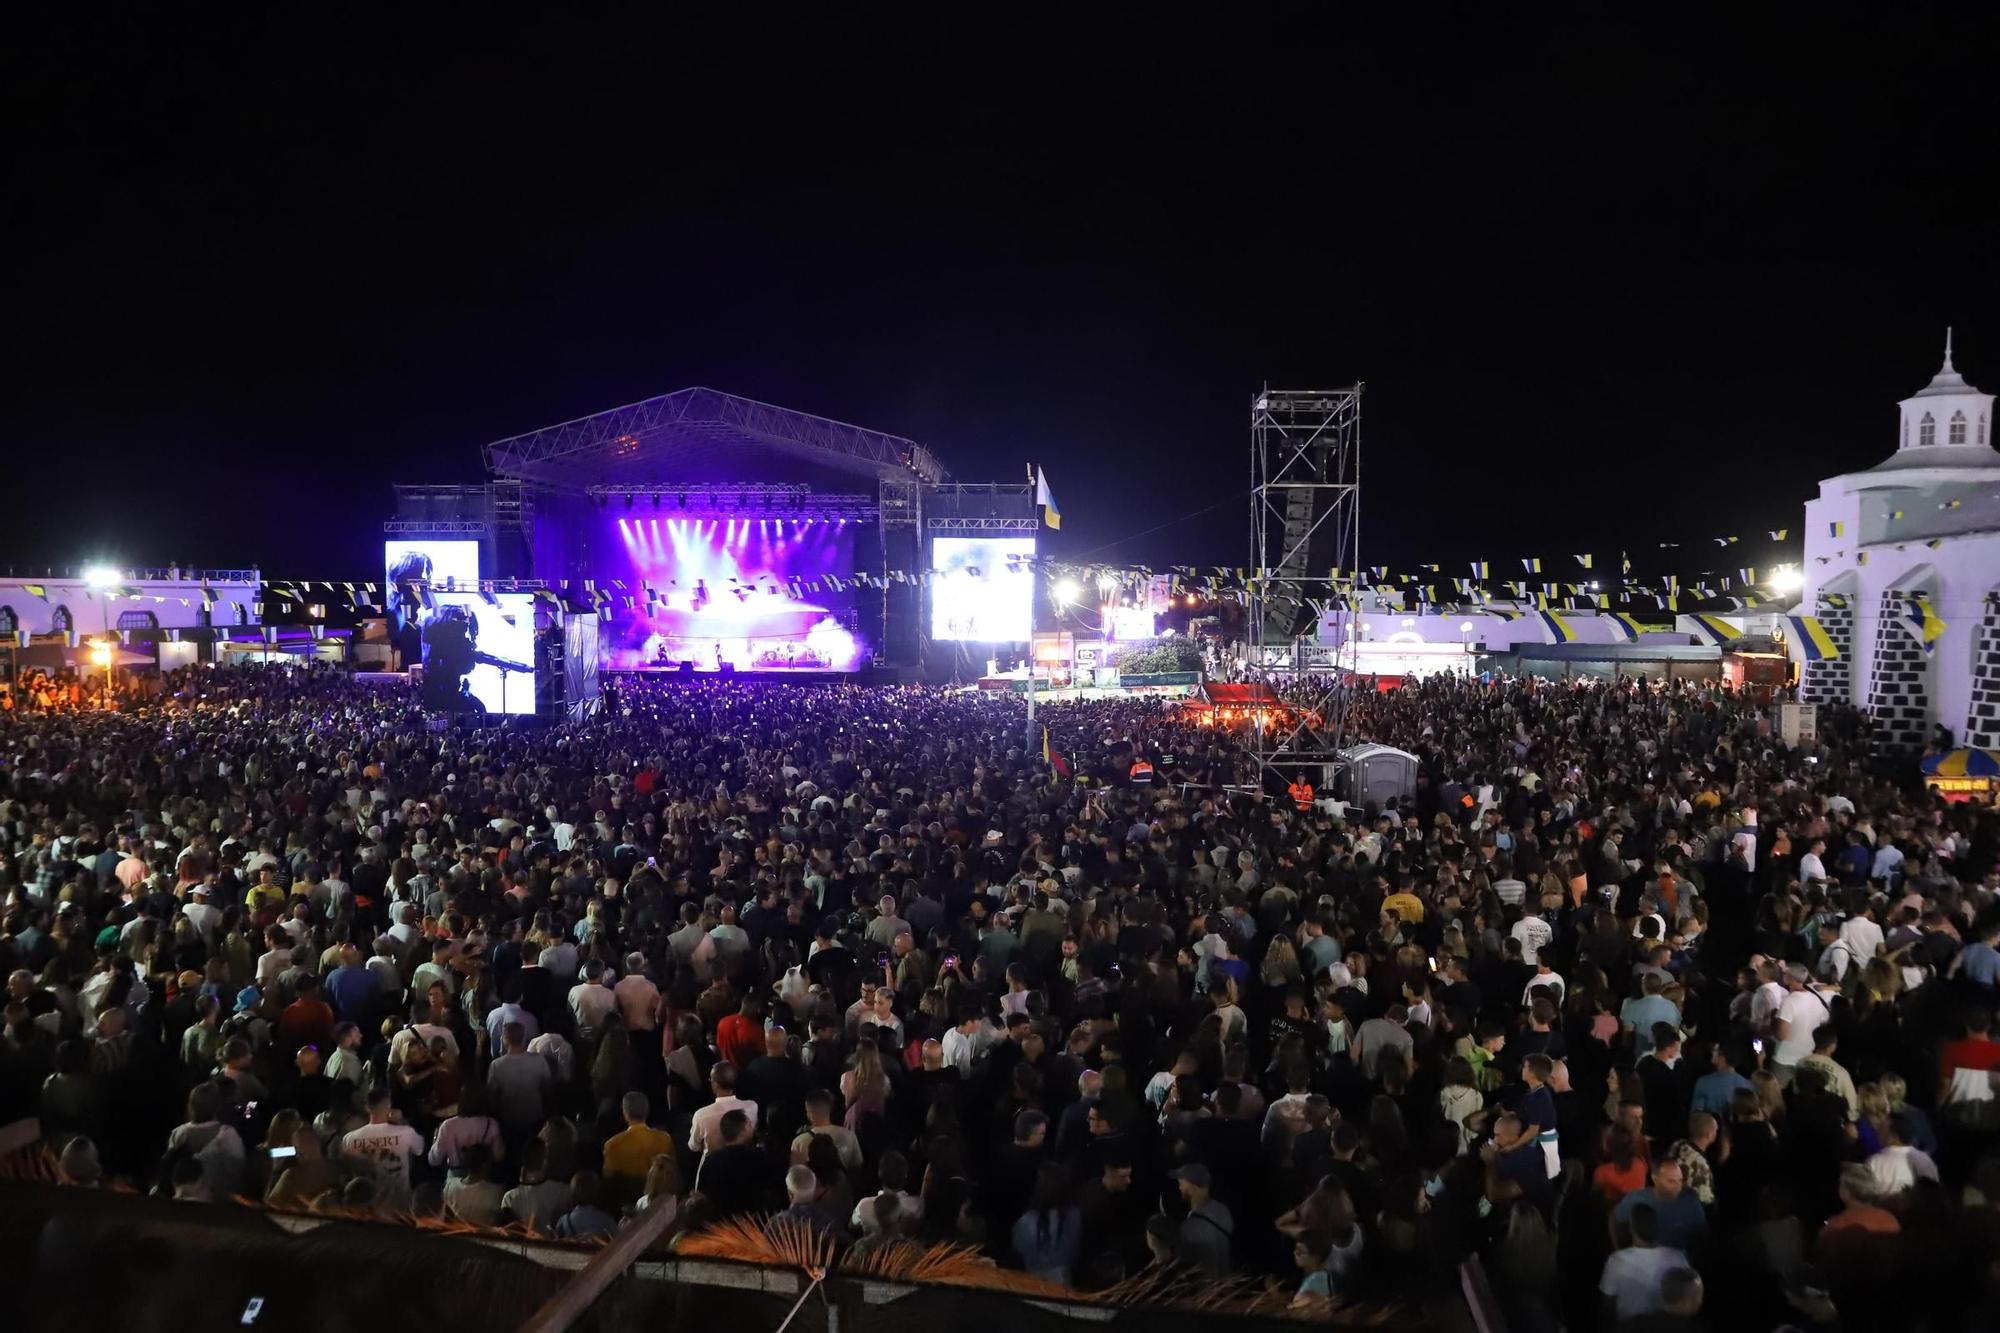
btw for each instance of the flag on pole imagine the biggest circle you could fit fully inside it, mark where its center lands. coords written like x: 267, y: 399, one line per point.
x: 1053, y: 757
x: 1815, y: 644
x: 1044, y: 497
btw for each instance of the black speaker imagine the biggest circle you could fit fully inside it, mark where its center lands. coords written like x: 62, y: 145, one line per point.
x: 687, y: 668
x: 729, y: 668
x: 1287, y: 622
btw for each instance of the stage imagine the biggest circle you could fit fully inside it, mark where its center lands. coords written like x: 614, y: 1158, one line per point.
x: 864, y: 675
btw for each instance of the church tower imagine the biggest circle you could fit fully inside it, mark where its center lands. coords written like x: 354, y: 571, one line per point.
x: 1946, y: 423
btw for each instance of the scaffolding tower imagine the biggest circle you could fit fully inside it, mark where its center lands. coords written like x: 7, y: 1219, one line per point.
x: 1305, y: 548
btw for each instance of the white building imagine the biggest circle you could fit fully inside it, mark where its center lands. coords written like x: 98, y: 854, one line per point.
x: 166, y: 614
x: 1925, y: 521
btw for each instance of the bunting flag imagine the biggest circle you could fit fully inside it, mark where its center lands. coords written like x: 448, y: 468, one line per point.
x: 1778, y: 534
x: 1532, y: 564
x: 1951, y: 504
x: 1584, y: 560
x: 1713, y: 630
x: 1625, y: 627
x: 1815, y: 644
x: 38, y: 590
x: 1836, y: 529
x: 24, y: 638
x: 1480, y: 569
x: 1045, y: 498
x: 1557, y: 628
x: 1921, y: 621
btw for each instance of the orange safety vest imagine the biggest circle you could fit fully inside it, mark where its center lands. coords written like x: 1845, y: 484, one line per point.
x: 1302, y: 795
x: 1142, y: 773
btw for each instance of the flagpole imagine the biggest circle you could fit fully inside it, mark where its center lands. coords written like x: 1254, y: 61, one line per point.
x: 1034, y: 596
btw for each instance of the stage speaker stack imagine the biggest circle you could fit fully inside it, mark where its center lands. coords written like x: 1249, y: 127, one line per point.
x: 729, y: 668
x: 687, y: 669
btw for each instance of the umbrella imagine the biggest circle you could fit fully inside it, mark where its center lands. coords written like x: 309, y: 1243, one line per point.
x: 1962, y: 764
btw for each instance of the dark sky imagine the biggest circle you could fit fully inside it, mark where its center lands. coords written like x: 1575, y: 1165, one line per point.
x: 1607, y: 282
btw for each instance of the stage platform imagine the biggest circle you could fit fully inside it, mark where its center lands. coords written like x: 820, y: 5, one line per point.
x: 872, y: 675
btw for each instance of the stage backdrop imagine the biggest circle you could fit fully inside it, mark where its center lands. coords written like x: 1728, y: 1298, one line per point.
x: 736, y: 592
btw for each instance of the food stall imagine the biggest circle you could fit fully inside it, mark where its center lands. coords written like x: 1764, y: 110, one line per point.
x: 1963, y: 775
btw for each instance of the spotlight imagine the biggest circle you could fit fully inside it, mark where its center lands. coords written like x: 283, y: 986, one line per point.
x: 1786, y: 578
x: 628, y: 500
x: 100, y: 577
x: 684, y: 502
x: 656, y: 499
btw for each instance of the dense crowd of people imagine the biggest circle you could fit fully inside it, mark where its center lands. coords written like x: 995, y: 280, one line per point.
x: 1669, y: 1024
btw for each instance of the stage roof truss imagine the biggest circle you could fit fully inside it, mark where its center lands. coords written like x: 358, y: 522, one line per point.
x: 677, y: 427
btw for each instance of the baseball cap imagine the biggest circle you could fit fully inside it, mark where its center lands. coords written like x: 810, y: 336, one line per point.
x: 1195, y: 1174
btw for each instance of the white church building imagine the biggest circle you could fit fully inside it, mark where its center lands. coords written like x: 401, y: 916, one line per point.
x: 1910, y: 542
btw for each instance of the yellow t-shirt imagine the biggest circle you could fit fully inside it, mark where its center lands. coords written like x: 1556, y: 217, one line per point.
x: 631, y: 1153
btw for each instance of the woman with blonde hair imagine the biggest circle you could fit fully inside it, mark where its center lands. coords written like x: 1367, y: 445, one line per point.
x: 1770, y: 1095
x: 865, y: 1085
x: 663, y: 1187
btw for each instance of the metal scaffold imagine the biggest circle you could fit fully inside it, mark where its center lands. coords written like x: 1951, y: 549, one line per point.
x: 1305, y: 546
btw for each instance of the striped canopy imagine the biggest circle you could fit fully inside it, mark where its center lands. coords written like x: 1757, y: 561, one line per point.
x: 1963, y: 764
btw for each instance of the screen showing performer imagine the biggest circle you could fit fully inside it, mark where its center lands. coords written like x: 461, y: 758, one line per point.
x: 479, y: 653
x: 413, y: 572
x: 982, y: 589
x: 751, y: 594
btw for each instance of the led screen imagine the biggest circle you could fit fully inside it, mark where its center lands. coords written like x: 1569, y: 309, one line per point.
x: 408, y: 568
x: 750, y: 594
x: 479, y: 653
x: 982, y: 589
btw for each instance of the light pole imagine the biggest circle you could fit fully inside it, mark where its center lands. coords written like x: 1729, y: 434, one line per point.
x: 103, y: 580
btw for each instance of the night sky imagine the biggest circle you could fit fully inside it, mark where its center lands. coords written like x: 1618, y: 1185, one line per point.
x: 1608, y: 284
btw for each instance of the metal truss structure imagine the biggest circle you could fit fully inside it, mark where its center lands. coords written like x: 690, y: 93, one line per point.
x: 1305, y: 536
x: 752, y: 499
x: 684, y: 427
x: 984, y: 524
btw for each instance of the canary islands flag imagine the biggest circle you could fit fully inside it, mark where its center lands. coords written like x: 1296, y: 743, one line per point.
x: 1712, y: 630
x: 1921, y: 621
x: 1557, y: 628
x: 1047, y: 500
x: 1815, y: 644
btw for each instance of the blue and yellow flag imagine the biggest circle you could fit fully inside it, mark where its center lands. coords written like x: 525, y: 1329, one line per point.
x: 1713, y: 630
x: 1921, y: 621
x: 1051, y: 516
x: 1624, y: 627
x: 1557, y: 628
x: 1815, y: 644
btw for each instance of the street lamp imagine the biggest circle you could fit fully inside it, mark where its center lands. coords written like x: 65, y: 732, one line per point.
x: 103, y: 579
x: 104, y: 654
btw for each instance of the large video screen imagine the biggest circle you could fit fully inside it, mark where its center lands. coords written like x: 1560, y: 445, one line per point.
x: 479, y: 653
x: 411, y: 567
x: 752, y: 594
x: 982, y: 589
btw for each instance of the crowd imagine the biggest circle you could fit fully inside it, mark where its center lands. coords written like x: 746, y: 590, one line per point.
x: 1668, y: 1024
